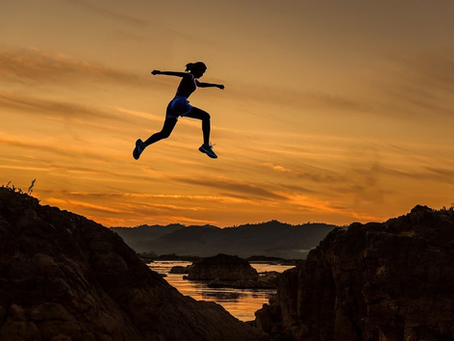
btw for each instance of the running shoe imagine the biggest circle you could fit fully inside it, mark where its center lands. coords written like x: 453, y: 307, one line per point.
x: 138, y: 150
x: 208, y: 150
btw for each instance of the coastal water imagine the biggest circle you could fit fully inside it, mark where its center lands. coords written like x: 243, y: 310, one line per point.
x: 241, y: 303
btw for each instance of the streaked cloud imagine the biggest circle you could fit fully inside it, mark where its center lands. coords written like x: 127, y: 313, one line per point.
x: 36, y: 66
x: 446, y: 174
x: 58, y: 150
x: 109, y: 14
x: 122, y: 195
x: 53, y: 109
x: 277, y: 168
x: 310, y: 173
x: 241, y: 188
x: 420, y: 83
x: 306, y: 100
x: 85, y: 205
x: 424, y: 173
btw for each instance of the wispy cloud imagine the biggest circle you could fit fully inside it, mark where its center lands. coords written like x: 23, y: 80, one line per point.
x: 277, y: 167
x: 447, y: 174
x: 313, y: 174
x: 320, y: 206
x: 36, y: 66
x: 55, y: 109
x: 306, y: 100
x: 424, y: 173
x: 105, y: 12
x: 112, y: 212
x: 242, y: 189
x: 77, y: 117
x: 418, y: 83
x: 140, y: 114
x: 85, y: 205
x: 61, y: 151
x: 132, y: 195
x: 407, y: 85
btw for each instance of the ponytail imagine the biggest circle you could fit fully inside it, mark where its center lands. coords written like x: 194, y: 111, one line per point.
x: 196, y: 66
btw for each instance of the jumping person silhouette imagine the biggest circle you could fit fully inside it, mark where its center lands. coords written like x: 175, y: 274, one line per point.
x: 179, y: 106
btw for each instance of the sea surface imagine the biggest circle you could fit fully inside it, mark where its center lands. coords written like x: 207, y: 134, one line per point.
x: 241, y: 303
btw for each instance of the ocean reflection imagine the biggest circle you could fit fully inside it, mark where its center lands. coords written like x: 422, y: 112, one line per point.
x: 241, y: 303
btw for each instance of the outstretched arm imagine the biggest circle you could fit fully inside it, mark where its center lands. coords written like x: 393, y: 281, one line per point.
x: 169, y: 73
x: 209, y: 85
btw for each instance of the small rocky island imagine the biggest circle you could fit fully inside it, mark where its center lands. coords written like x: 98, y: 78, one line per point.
x: 228, y: 271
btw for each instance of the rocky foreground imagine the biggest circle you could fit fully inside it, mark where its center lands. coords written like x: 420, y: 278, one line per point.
x: 64, y: 277
x: 392, y: 281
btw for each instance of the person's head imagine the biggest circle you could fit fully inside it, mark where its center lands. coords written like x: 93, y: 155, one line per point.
x: 197, y: 69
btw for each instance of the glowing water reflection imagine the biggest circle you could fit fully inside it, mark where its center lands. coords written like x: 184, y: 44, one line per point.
x: 241, y: 303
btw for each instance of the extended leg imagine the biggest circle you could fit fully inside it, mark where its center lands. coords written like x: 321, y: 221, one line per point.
x: 206, y: 128
x: 206, y: 122
x: 169, y: 124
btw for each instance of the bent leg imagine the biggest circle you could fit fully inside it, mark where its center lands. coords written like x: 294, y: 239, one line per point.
x: 206, y: 122
x: 169, y: 124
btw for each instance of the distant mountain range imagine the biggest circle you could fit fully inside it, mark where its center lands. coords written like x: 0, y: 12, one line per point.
x: 271, y: 238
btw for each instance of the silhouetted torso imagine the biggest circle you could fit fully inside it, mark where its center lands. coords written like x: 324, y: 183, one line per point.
x: 187, y: 86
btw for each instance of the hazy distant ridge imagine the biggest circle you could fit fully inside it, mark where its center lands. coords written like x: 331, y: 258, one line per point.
x: 271, y: 238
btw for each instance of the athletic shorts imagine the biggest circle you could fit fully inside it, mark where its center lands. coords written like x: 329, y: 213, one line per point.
x: 179, y: 106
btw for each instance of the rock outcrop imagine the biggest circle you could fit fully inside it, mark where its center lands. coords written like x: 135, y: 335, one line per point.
x: 180, y: 269
x: 222, y: 267
x: 379, y: 281
x: 64, y: 277
x: 225, y: 271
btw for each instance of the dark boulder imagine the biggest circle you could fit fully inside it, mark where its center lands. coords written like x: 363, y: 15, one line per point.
x: 222, y: 267
x: 180, y: 269
x: 224, y: 271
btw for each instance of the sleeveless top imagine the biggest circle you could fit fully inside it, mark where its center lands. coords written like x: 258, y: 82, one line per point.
x: 187, y: 86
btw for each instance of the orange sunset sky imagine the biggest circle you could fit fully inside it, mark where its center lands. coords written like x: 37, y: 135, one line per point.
x: 333, y: 111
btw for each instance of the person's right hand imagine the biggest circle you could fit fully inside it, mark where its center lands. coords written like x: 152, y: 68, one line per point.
x: 155, y: 72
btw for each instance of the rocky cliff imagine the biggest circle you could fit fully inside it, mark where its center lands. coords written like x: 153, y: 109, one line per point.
x: 379, y: 281
x: 64, y: 277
